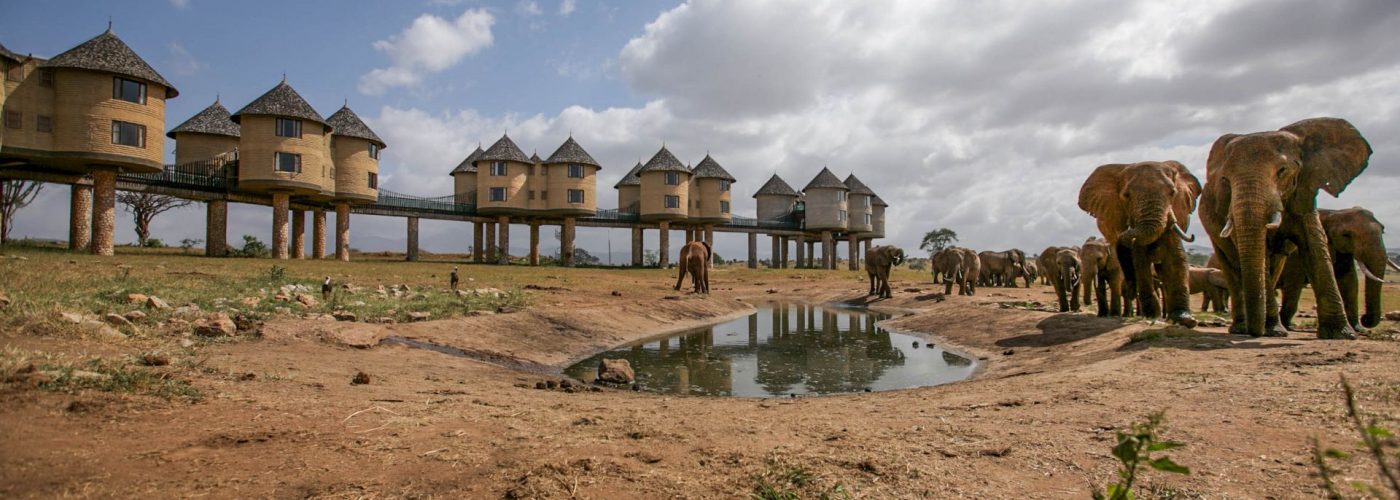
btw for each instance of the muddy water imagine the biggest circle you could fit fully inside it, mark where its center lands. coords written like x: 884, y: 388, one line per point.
x: 786, y: 349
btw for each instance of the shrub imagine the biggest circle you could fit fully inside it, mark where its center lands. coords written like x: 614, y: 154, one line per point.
x: 1134, y: 449
x: 252, y: 247
x: 1374, y: 438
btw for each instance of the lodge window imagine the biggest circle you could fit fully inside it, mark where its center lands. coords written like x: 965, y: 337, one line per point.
x: 544, y: 195
x: 498, y: 168
x: 575, y: 171
x: 841, y: 196
x: 841, y: 216
x: 46, y: 77
x: 128, y: 90
x: 532, y: 195
x: 373, y: 180
x: 576, y: 196
x: 723, y: 207
x: 724, y: 185
x: 867, y: 219
x: 44, y: 123
x: 673, y: 201
x: 15, y: 72
x: 288, y: 162
x: 128, y: 134
x: 673, y: 179
x: 544, y: 170
x: 287, y: 127
x: 498, y: 194
x: 867, y: 202
x: 374, y: 151
x: 13, y: 119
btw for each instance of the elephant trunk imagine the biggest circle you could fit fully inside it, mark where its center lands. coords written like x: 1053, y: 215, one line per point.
x: 1252, y: 214
x: 1371, y: 261
x: 1149, y: 221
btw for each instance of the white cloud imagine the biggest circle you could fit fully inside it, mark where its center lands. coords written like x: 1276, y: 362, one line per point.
x: 529, y: 8
x: 567, y: 7
x: 182, y: 62
x: 180, y: 4
x: 429, y: 45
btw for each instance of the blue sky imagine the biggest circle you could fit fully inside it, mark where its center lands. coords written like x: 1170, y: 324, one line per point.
x: 982, y: 117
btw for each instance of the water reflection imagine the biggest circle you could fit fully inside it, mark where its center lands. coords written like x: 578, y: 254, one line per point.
x: 787, y: 349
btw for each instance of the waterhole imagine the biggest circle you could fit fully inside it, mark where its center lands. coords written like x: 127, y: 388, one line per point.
x: 786, y: 349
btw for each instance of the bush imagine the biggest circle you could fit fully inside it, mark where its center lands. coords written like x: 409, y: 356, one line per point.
x: 154, y: 243
x: 1133, y: 450
x: 252, y: 247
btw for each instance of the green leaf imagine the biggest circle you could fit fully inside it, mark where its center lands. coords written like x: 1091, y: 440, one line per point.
x: 1378, y: 431
x: 1363, y: 487
x: 1165, y: 464
x: 1164, y: 445
x: 1127, y: 449
x: 1098, y: 495
x: 1337, y: 454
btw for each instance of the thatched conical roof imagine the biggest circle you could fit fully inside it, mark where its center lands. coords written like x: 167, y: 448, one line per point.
x: 110, y: 54
x: 212, y: 120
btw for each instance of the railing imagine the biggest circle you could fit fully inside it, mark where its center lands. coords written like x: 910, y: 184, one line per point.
x: 440, y: 204
x: 211, y: 175
x: 786, y: 222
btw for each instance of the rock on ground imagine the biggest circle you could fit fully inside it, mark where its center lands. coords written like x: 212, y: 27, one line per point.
x: 136, y: 298
x: 216, y: 325
x: 154, y: 302
x: 1393, y: 315
x: 616, y: 371
x: 115, y: 319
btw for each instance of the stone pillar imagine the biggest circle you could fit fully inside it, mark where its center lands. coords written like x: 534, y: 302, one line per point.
x: 753, y: 254
x: 853, y: 249
x: 298, y: 234
x: 504, y: 240
x: 279, y: 225
x: 412, y: 239
x: 637, y: 247
x: 828, y: 251
x: 104, y: 211
x: 318, y: 234
x: 689, y: 234
x: 785, y: 252
x: 710, y: 234
x: 865, y: 250
x: 812, y: 254
x: 535, y: 243
x: 566, y: 242
x: 799, y: 248
x: 476, y: 242
x: 490, y: 229
x: 342, y: 231
x: 773, y: 261
x: 665, y: 250
x: 80, y: 218
x: 216, y: 228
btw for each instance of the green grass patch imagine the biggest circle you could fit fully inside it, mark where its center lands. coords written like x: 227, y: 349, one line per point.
x: 56, y: 373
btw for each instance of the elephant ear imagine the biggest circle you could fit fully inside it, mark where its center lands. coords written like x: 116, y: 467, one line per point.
x: 1188, y: 188
x: 1334, y: 153
x: 1100, y: 195
x: 1216, y: 160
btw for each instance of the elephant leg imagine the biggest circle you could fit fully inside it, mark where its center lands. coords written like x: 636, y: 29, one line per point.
x: 1345, y: 270
x: 1060, y: 294
x: 1176, y: 291
x: 1100, y: 288
x: 1331, y: 319
x: 680, y: 279
x: 1146, y: 294
x: 1115, y: 290
x: 1272, y: 326
x: 1074, y: 296
x: 1292, y: 292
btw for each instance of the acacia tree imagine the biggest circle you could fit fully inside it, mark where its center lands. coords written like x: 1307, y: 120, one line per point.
x: 146, y: 206
x: 938, y: 239
x: 14, y: 195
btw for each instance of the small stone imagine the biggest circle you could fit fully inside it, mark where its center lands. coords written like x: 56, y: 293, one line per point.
x: 306, y: 300
x: 550, y: 384
x: 541, y: 385
x: 116, y: 320
x: 252, y: 376
x: 344, y: 316
x: 136, y: 298
x: 4, y: 300
x: 246, y: 323
x: 250, y: 301
x: 284, y: 311
x: 419, y: 315
x: 155, y: 359
x: 569, y: 390
x: 216, y: 325
x: 187, y: 310
x: 134, y: 316
x: 565, y: 383
x: 772, y: 290
x: 154, y: 302
x: 68, y: 317
x: 186, y: 343
x: 616, y: 371
x: 102, y: 329
x: 360, y: 378
x: 1393, y: 315
x: 505, y: 310
x: 1008, y: 352
x: 616, y: 293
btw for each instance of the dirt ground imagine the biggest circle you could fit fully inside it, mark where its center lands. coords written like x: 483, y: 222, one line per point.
x: 281, y: 418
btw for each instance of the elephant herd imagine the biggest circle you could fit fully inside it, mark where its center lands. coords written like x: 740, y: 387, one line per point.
x: 1259, y: 207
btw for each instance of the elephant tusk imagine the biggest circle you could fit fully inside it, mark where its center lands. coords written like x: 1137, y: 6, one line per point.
x: 1369, y: 275
x: 1184, y: 237
x: 1393, y: 264
x: 1229, y: 228
x: 1275, y: 220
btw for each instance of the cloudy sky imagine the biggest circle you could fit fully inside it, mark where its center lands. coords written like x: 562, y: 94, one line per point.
x: 983, y: 117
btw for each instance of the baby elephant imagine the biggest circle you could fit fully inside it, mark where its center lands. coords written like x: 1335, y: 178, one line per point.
x: 1210, y: 283
x: 1062, y: 266
x: 695, y: 259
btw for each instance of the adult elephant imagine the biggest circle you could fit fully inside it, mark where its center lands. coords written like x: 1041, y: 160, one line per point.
x: 1062, y: 265
x: 1143, y: 210
x: 957, y: 266
x: 1210, y: 283
x: 1355, y: 242
x: 1260, y: 202
x: 1002, y: 268
x: 878, y: 262
x: 1032, y: 272
x: 1103, y: 275
x: 695, y: 259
